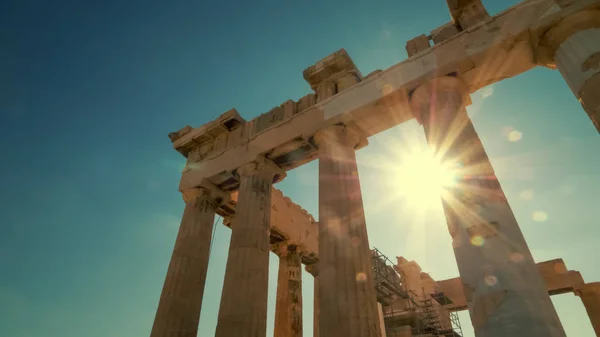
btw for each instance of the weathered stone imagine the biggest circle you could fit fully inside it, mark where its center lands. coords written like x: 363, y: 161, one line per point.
x: 306, y: 102
x: 288, y: 306
x: 566, y: 31
x: 509, y: 296
x: 575, y: 46
x: 467, y: 13
x: 178, y: 134
x: 444, y: 33
x: 325, y: 90
x: 381, y: 103
x: 417, y: 45
x: 268, y: 120
x: 243, y: 309
x: 289, y: 109
x: 347, y: 81
x: 313, y: 269
x: 330, y: 67
x: 348, y: 306
x: 590, y: 296
x: 180, y: 302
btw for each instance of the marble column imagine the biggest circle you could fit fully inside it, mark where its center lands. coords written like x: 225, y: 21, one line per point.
x: 507, y: 294
x: 180, y: 302
x: 313, y: 269
x: 590, y: 296
x: 573, y: 46
x: 288, y: 305
x: 243, y: 309
x: 348, y: 306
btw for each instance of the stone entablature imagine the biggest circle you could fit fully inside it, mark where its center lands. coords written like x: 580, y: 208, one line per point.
x: 371, y: 104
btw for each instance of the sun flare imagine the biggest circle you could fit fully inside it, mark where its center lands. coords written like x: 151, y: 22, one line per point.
x: 422, y: 177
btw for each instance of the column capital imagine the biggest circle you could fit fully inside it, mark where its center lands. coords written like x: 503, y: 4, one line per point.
x: 587, y: 289
x: 313, y: 269
x: 439, y: 95
x: 554, y: 37
x: 283, y: 248
x: 339, y: 135
x: 262, y: 165
x: 206, y: 191
x: 228, y: 220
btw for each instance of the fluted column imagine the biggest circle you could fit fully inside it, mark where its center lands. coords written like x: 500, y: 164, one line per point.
x: 288, y: 307
x: 590, y: 296
x: 243, y: 309
x: 573, y: 46
x: 180, y: 302
x: 507, y: 294
x: 346, y: 289
x: 313, y: 269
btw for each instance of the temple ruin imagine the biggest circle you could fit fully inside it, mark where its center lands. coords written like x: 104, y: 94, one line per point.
x: 232, y: 165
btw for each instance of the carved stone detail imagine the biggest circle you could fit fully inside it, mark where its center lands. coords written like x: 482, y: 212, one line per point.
x: 261, y: 166
x: 338, y: 135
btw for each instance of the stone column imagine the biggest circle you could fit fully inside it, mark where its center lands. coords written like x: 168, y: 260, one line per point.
x: 348, y: 305
x: 313, y: 269
x: 243, y: 310
x: 590, y: 296
x: 507, y: 294
x: 180, y: 302
x: 573, y: 46
x: 288, y: 307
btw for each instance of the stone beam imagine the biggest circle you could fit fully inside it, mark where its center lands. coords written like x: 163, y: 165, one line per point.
x: 467, y: 13
x: 289, y: 222
x: 558, y: 279
x: 493, y: 49
x: 293, y: 224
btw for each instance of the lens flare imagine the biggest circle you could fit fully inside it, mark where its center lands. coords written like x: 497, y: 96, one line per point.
x: 477, y: 240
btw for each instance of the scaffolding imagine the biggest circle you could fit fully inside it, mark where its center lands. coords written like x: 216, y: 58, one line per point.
x: 421, y: 314
x: 429, y: 318
x: 388, y: 283
x: 455, y: 329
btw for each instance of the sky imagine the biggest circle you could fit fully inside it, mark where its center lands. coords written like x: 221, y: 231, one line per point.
x: 90, y: 206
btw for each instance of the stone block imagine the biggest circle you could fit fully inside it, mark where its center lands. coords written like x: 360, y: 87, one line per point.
x: 267, y: 120
x: 347, y: 81
x: 289, y: 108
x: 325, y: 90
x: 231, y: 120
x: 235, y: 137
x: 417, y: 45
x: 467, y: 13
x: 220, y: 143
x: 178, y: 134
x: 332, y: 65
x: 306, y: 102
x: 444, y: 33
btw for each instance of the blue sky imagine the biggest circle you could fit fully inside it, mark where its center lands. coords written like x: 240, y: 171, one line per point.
x: 88, y: 94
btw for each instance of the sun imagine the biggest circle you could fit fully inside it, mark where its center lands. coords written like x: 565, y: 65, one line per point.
x: 411, y: 176
x: 422, y: 178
